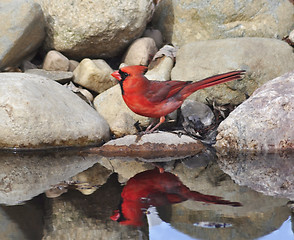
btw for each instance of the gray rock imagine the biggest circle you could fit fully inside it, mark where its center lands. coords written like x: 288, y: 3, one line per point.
x: 263, y: 59
x: 36, y: 112
x: 22, y: 33
x: 191, y: 20
x: 95, y: 29
x: 140, y: 52
x: 156, y: 35
x: 195, y: 110
x: 262, y: 123
x: 58, y: 76
x: 55, y: 61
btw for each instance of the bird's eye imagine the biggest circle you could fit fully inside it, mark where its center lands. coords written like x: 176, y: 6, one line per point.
x: 123, y: 75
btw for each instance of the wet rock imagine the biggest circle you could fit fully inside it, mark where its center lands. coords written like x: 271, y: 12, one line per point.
x: 26, y: 175
x: 155, y: 34
x: 45, y: 114
x: 94, y: 29
x: 94, y: 75
x: 190, y: 20
x: 55, y: 61
x: 119, y: 117
x: 264, y: 122
x: 22, y: 33
x: 155, y: 147
x: 263, y: 59
x: 58, y: 76
x: 140, y: 52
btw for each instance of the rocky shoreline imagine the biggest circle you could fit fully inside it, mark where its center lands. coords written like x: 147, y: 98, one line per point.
x: 48, y: 57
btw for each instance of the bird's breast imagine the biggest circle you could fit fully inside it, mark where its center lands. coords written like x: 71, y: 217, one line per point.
x: 142, y: 106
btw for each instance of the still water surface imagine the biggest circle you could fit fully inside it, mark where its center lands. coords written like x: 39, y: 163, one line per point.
x: 69, y: 195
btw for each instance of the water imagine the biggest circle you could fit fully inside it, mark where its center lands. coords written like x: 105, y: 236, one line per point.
x: 69, y: 195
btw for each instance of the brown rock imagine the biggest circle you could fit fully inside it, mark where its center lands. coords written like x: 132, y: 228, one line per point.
x: 160, y: 146
x: 94, y: 75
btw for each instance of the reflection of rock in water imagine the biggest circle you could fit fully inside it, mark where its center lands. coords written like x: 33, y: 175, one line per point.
x: 271, y: 174
x: 75, y: 216
x: 91, y: 179
x: 23, y: 222
x: 86, y: 182
x: 27, y: 174
x: 259, y: 215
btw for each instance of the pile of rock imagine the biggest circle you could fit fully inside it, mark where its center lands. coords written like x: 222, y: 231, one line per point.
x: 77, y: 46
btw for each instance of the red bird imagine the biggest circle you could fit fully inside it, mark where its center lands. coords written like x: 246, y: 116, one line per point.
x: 156, y: 99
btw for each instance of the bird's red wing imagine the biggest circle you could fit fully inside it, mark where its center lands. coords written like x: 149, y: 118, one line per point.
x: 161, y: 90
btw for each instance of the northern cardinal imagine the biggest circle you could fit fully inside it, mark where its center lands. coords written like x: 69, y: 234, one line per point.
x: 153, y: 188
x: 156, y: 99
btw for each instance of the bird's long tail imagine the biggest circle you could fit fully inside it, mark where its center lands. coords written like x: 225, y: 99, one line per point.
x: 211, y: 81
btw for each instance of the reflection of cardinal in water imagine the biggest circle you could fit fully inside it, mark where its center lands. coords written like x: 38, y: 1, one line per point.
x: 152, y: 188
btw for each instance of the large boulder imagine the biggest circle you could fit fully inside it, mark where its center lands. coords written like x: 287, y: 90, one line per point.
x: 23, y: 30
x: 94, y: 29
x: 189, y: 20
x: 262, y: 58
x: 262, y: 123
x: 36, y: 112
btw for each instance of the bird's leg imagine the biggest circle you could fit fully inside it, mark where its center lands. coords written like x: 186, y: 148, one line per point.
x: 161, y: 120
x: 148, y: 128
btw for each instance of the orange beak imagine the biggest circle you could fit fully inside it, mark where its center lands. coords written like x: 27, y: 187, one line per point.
x: 116, y: 75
